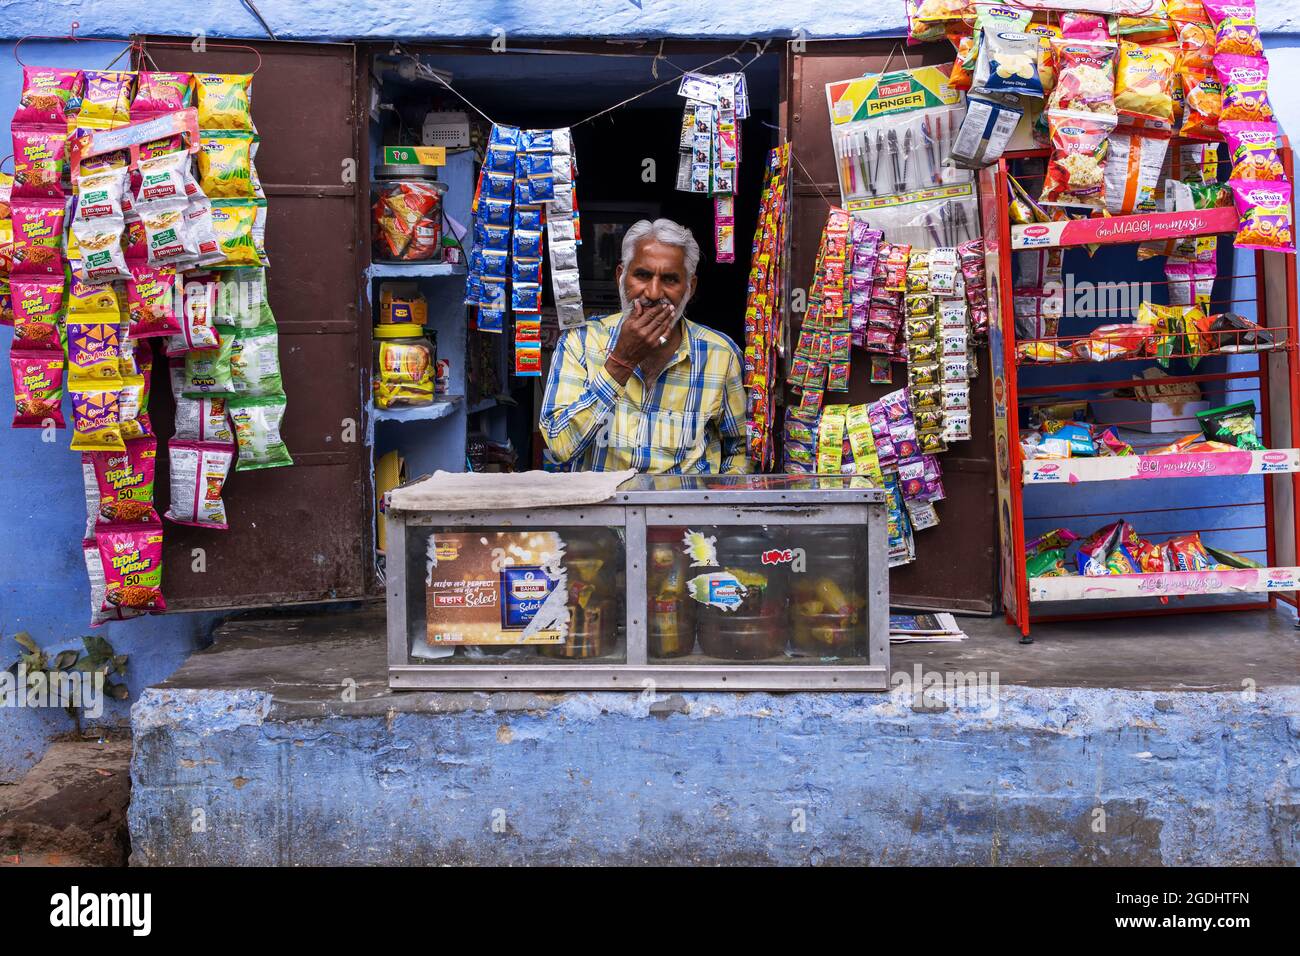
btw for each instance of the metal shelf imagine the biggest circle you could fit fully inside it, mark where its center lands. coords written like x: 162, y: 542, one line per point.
x: 1075, y: 587
x: 414, y: 270
x: 1069, y: 471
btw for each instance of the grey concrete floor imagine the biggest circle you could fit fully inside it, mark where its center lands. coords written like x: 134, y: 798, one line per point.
x: 314, y: 662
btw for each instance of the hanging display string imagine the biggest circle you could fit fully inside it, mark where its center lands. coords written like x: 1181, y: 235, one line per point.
x: 428, y: 73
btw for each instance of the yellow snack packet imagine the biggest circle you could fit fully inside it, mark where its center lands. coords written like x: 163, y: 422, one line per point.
x: 224, y: 100
x: 94, y: 349
x: 96, y: 418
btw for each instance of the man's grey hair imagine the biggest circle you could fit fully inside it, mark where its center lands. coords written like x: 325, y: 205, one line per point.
x: 667, y: 232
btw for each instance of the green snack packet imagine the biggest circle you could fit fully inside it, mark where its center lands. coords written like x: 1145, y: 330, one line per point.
x: 255, y: 361
x: 241, y: 298
x: 1046, y: 564
x: 207, y: 371
x: 257, y: 432
x: 1232, y: 425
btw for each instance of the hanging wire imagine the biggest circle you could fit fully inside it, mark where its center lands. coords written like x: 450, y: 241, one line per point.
x: 428, y: 73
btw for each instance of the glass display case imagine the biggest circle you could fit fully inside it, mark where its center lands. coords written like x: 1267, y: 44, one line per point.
x: 747, y: 582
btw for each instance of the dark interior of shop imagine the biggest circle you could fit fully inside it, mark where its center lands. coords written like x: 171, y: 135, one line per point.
x: 627, y: 158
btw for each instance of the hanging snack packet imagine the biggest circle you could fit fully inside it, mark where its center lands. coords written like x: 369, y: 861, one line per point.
x: 257, y: 432
x: 167, y: 235
x: 46, y: 95
x: 1008, y: 64
x: 98, y: 226
x: 241, y: 298
x: 151, y: 302
x: 1202, y: 104
x: 124, y: 483
x: 1132, y: 171
x: 198, y: 308
x: 164, y: 180
x: 985, y: 131
x: 39, y: 313
x: 1195, y: 46
x: 1076, y: 172
x: 255, y: 361
x: 207, y: 371
x: 225, y: 161
x: 224, y: 100
x: 106, y: 98
x: 93, y: 349
x: 1265, y: 212
x: 160, y: 92
x: 1085, y: 76
x: 98, y: 587
x: 1245, y: 87
x: 1253, y: 149
x: 1235, y: 30
x: 40, y: 161
x: 198, y: 474
x: 199, y: 419
x: 1046, y: 33
x: 233, y: 221
x: 1144, y: 84
x: 96, y: 418
x: 132, y: 560
x: 1190, y: 282
x: 38, y: 236
x: 38, y: 389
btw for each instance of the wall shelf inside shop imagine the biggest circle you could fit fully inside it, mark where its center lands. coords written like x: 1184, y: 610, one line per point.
x: 442, y: 407
x: 1069, y: 471
x: 415, y: 270
x: 1243, y: 581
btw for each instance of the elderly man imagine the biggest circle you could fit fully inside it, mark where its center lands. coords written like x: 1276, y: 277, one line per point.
x: 646, y: 388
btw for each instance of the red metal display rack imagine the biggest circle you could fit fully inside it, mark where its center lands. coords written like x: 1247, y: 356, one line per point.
x: 1273, y: 379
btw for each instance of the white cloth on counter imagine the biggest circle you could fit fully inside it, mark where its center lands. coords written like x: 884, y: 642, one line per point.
x: 485, y: 491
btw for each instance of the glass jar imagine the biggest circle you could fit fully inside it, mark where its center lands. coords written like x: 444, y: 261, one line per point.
x: 404, y: 366
x: 741, y: 613
x: 408, y: 214
x: 827, y: 604
x: 592, y: 561
x: 670, y: 615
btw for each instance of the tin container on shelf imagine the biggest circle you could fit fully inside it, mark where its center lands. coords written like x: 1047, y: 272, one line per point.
x: 404, y: 366
x: 407, y: 213
x: 743, y: 617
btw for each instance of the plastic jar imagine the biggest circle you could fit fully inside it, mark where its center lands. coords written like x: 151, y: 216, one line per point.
x: 408, y: 214
x: 827, y: 606
x: 404, y: 366
x: 592, y: 558
x: 755, y: 624
x: 670, y: 614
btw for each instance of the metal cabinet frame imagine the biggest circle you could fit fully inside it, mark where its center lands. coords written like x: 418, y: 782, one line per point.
x: 635, y: 511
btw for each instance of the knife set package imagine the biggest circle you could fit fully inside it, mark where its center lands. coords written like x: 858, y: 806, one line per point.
x: 892, y: 154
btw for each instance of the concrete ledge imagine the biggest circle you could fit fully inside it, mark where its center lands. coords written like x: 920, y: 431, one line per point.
x: 1052, y: 776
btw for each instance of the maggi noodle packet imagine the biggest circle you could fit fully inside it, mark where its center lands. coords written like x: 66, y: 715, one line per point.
x: 98, y: 588
x: 257, y: 431
x: 124, y: 480
x: 131, y: 556
x: 96, y: 418
x: 198, y: 474
x: 38, y: 389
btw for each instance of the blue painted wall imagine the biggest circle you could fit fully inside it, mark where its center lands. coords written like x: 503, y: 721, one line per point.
x: 43, y: 587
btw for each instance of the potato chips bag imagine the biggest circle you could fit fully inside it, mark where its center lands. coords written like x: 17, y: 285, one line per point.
x: 224, y: 100
x: 1144, y: 83
x: 257, y: 431
x: 198, y: 474
x: 225, y: 163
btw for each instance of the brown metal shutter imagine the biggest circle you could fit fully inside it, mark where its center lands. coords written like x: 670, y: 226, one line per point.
x: 955, y: 564
x: 303, y: 533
